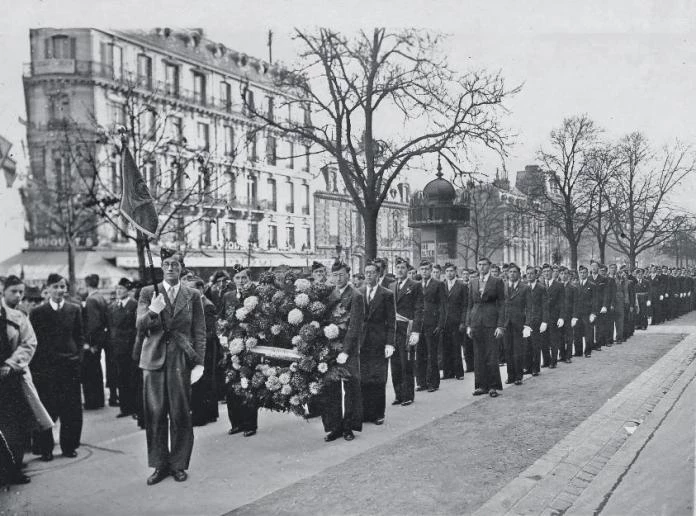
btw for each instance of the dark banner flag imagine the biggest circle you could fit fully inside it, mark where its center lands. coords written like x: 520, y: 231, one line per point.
x: 137, y: 204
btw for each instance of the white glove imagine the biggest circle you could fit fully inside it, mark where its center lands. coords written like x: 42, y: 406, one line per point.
x: 413, y: 339
x: 603, y: 310
x: 196, y: 373
x: 560, y: 323
x: 469, y: 333
x: 648, y: 303
x: 157, y: 304
x: 666, y: 296
x: 542, y: 327
x: 662, y: 297
x: 388, y: 351
x: 342, y: 358
x: 526, y: 332
x: 573, y: 322
x: 592, y: 318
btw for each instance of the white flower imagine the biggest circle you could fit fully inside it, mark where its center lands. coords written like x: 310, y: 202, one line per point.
x: 276, y: 329
x: 270, y: 371
x: 241, y: 313
x: 322, y: 367
x: 295, y: 400
x: 331, y: 331
x: 293, y: 367
x: 284, y: 378
x: 245, y: 383
x: 236, y: 345
x: 286, y: 389
x: 251, y: 302
x: 315, y: 324
x: 236, y: 366
x: 296, y: 340
x: 341, y: 358
x: 295, y: 316
x: 302, y: 285
x: 251, y: 342
x: 302, y: 300
x: 314, y: 388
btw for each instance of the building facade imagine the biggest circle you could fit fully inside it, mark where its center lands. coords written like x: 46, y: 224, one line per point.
x: 339, y: 227
x: 228, y: 189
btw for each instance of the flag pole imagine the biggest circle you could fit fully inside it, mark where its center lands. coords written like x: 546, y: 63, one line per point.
x: 148, y: 254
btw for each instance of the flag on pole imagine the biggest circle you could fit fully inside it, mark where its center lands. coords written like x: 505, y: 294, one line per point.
x: 137, y: 205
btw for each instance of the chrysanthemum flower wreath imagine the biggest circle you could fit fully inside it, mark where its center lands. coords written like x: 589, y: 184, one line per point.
x: 282, y: 345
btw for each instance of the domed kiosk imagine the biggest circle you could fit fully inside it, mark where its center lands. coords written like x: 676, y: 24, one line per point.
x: 437, y: 212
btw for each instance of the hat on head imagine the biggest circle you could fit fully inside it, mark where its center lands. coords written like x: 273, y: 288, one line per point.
x: 337, y: 266
x: 317, y: 266
x: 54, y: 278
x: 437, y: 267
x: 398, y: 260
x: 166, y: 252
x: 219, y: 275
x: 237, y: 268
x: 125, y: 283
x: 450, y: 264
x: 12, y: 280
x: 425, y: 263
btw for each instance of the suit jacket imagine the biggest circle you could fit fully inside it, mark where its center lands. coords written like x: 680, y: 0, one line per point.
x: 409, y: 302
x: 555, y: 301
x: 570, y: 294
x: 183, y: 324
x: 516, y: 305
x: 377, y: 333
x: 59, y: 336
x: 611, y: 293
x: 455, y: 305
x: 434, y: 299
x: 601, y: 292
x: 122, y: 326
x: 586, y: 300
x: 486, y: 310
x: 538, y: 307
x: 96, y: 314
x: 348, y: 313
x: 230, y: 301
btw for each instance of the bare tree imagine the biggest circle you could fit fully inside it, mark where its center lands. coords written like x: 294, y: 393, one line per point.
x: 642, y: 217
x: 567, y: 202
x: 682, y: 244
x: 602, y: 167
x: 377, y: 102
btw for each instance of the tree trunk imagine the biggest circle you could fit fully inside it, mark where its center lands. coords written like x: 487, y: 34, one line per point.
x: 143, y: 269
x: 602, y: 244
x: 72, y: 279
x: 370, y: 220
x: 573, y: 247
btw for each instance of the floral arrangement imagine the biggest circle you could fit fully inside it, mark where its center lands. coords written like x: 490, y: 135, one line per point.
x: 297, y: 316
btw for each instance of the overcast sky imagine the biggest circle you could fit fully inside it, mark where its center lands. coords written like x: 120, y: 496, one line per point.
x: 630, y: 66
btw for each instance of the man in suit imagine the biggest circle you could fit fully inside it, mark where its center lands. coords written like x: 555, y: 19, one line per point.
x: 385, y: 279
x: 555, y: 300
x: 642, y: 300
x: 485, y: 319
x: 455, y: 324
x: 467, y: 343
x: 566, y: 329
x: 319, y: 273
x: 171, y: 357
x: 408, y: 296
x: 516, y: 310
x: 537, y: 320
x: 122, y: 316
x: 619, y: 303
x: 377, y: 344
x: 243, y: 417
x: 602, y: 292
x: 434, y: 299
x: 342, y: 399
x: 585, y: 313
x: 95, y: 309
x: 56, y: 367
x: 436, y: 273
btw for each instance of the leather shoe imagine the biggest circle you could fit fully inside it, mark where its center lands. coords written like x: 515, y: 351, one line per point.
x: 249, y: 433
x: 479, y: 392
x: 568, y: 361
x: 587, y: 355
x: 406, y: 403
x: 536, y: 373
x: 432, y: 389
x: 234, y: 430
x: 419, y: 389
x: 509, y: 381
x: 47, y: 457
x: 349, y: 435
x: 332, y: 436
x: 552, y: 366
x: 157, y: 476
x: 20, y: 479
x: 493, y: 393
x: 70, y: 454
x: 379, y: 421
x: 518, y: 382
x: 179, y: 475
x: 122, y: 414
x: 396, y: 402
x: 459, y: 377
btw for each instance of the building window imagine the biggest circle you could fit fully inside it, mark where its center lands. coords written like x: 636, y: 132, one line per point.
x: 291, y: 155
x: 117, y: 113
x: 308, y: 237
x: 272, y: 237
x: 334, y: 181
x: 395, y: 225
x: 274, y: 194
x: 180, y: 229
x: 206, y: 231
x: 115, y: 177
x: 305, y: 200
x: 228, y: 132
x: 269, y: 108
x: 111, y: 60
x: 249, y: 107
x: 226, y: 96
x: 291, y: 237
x: 231, y: 232
x: 333, y: 222
x: 307, y: 116
x: 199, y: 88
x: 144, y: 71
x: 150, y: 176
x: 205, y: 184
x: 59, y: 108
x: 176, y: 128
x: 253, y: 191
x: 306, y: 167
x: 291, y: 195
x: 251, y: 145
x: 271, y: 154
x: 59, y: 47
x: 171, y: 79
x: 203, y: 136
x: 253, y: 233
x: 232, y: 182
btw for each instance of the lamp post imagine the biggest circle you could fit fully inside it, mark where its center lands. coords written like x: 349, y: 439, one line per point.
x: 251, y: 242
x: 306, y: 250
x: 339, y: 250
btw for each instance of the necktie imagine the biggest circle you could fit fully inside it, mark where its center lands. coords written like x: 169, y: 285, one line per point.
x: 371, y: 296
x: 170, y: 294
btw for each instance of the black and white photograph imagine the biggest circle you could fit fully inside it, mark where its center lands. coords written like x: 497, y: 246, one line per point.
x: 368, y: 257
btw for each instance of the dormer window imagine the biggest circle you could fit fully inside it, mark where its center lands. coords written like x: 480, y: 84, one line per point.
x: 59, y: 47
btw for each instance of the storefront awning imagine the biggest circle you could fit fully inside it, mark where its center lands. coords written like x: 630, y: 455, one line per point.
x: 216, y: 260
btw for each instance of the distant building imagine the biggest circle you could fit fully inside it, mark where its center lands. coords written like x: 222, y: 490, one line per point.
x: 252, y: 201
x: 12, y: 219
x: 339, y: 228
